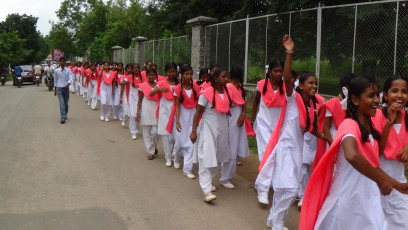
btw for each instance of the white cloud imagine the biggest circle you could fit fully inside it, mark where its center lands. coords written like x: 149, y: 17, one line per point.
x: 44, y: 10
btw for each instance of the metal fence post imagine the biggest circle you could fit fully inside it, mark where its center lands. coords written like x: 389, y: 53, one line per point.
x: 216, y: 47
x: 266, y: 41
x: 318, y: 40
x: 354, y: 40
x: 396, y: 37
x: 229, y: 47
x: 246, y: 49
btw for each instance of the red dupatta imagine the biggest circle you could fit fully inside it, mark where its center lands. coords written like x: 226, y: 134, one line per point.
x: 169, y: 95
x: 205, y: 85
x: 321, y: 179
x: 338, y: 115
x: 396, y: 141
x: 273, y: 140
x: 236, y: 97
x: 222, y: 105
x: 270, y: 98
x: 146, y: 89
x: 127, y: 85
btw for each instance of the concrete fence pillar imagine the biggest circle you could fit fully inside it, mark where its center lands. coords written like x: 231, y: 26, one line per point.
x: 198, y: 41
x: 115, y: 56
x: 139, y: 49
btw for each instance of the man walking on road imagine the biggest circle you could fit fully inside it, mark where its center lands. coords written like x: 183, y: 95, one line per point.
x: 62, y: 80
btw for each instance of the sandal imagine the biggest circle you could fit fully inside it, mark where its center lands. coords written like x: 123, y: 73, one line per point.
x: 150, y: 157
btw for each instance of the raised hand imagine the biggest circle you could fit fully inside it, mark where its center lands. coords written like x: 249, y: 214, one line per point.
x: 392, y: 111
x: 288, y: 44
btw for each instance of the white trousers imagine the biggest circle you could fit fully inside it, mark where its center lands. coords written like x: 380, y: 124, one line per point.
x: 117, y: 112
x: 150, y: 138
x: 228, y: 170
x: 92, y: 91
x: 282, y: 200
x: 306, y: 173
x: 168, y: 145
x: 133, y: 124
x: 206, y: 175
x: 72, y: 87
x: 187, y: 154
x: 105, y: 110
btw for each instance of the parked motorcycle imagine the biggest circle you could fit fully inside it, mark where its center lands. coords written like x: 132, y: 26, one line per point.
x: 37, y: 79
x: 3, y: 79
x: 49, y: 82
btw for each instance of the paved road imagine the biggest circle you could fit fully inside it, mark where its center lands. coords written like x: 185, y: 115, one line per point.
x: 88, y: 174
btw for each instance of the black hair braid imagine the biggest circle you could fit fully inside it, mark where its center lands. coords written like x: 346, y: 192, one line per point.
x: 307, y: 118
x: 281, y: 86
x: 241, y: 86
x: 406, y: 120
x: 192, y: 87
x: 229, y: 98
x: 181, y: 93
x: 266, y: 83
x: 314, y: 99
x: 213, y: 97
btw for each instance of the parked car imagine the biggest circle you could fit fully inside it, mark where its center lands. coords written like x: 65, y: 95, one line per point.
x: 28, y: 73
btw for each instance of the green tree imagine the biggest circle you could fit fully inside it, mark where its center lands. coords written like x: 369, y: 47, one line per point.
x: 11, y: 48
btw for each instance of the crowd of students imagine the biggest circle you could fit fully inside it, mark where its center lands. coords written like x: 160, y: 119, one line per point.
x: 343, y: 159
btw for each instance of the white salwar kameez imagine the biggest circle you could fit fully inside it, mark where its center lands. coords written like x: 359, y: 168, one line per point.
x: 309, y: 152
x: 238, y: 143
x: 183, y: 145
x: 265, y: 121
x: 353, y: 202
x: 148, y: 121
x: 395, y: 205
x: 117, y: 107
x: 212, y: 143
x: 133, y: 99
x: 164, y: 116
x: 282, y: 170
x: 92, y: 92
x: 106, y: 99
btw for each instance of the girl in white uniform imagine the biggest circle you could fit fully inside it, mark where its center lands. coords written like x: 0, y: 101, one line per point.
x: 282, y: 162
x: 186, y: 99
x: 147, y: 112
x: 344, y: 191
x: 237, y: 137
x: 93, y: 74
x: 212, y: 135
x: 124, y: 91
x: 106, y: 92
x: 167, y: 109
x: 392, y: 121
x: 117, y: 106
x: 269, y: 98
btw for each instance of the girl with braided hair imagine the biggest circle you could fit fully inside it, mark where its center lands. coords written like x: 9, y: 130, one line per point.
x: 212, y: 146
x: 167, y: 109
x: 270, y: 97
x: 344, y: 191
x: 281, y: 165
x: 307, y: 89
x: 186, y: 99
x: 237, y: 136
x: 392, y: 122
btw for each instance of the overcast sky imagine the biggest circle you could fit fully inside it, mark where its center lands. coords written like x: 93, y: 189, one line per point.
x: 44, y: 10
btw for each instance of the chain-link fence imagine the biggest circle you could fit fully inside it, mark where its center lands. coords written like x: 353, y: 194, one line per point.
x: 177, y: 49
x: 126, y: 56
x: 368, y: 38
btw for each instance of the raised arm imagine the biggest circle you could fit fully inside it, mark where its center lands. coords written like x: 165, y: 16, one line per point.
x: 287, y: 70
